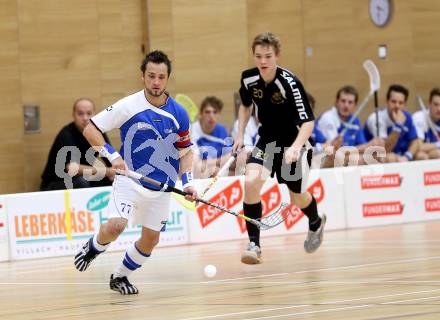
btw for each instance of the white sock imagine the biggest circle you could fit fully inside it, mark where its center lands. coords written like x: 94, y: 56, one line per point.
x: 99, y: 247
x: 133, y: 260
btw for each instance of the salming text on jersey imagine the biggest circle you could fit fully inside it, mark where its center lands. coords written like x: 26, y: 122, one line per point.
x: 296, y: 95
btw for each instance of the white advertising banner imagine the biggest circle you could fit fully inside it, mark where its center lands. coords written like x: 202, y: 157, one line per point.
x: 37, y: 225
x: 56, y: 223
x: 209, y: 224
x: 392, y: 193
x: 4, y: 235
x: 426, y: 192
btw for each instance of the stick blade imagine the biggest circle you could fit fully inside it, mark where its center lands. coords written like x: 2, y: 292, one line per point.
x: 275, y: 218
x: 373, y: 75
x: 188, y: 104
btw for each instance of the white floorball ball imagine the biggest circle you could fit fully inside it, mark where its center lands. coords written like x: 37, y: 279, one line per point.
x: 210, y: 271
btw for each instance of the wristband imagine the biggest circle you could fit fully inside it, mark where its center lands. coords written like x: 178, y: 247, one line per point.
x: 397, y: 127
x: 187, y: 179
x: 408, y: 155
x: 109, y: 152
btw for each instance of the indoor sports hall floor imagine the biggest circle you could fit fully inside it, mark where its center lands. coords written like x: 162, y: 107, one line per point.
x: 377, y: 273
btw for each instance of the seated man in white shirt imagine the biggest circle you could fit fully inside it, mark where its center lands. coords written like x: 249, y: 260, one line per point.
x: 250, y: 139
x: 212, y: 142
x: 337, y: 121
x: 428, y: 128
x: 396, y: 126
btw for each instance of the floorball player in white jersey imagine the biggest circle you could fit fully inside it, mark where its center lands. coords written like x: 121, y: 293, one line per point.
x: 155, y: 143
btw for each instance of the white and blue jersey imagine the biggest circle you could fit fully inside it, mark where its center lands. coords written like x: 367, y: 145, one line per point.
x: 318, y: 136
x: 251, y: 136
x: 424, y: 132
x: 213, y: 145
x: 386, y: 125
x: 318, y: 139
x: 151, y: 136
x: 331, y: 125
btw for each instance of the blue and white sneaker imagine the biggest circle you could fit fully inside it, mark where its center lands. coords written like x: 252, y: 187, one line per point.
x: 85, y: 256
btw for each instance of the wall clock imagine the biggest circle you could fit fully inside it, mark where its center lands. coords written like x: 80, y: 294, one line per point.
x: 380, y: 12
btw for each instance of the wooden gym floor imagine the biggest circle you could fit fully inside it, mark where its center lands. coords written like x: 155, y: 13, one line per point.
x: 377, y: 273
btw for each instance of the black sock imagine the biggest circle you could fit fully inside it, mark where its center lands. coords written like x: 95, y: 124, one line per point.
x: 311, y: 211
x: 254, y: 211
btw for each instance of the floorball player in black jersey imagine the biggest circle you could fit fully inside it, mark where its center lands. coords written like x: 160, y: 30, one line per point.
x: 284, y: 149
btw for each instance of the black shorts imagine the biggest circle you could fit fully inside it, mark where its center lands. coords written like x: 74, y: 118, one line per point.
x: 271, y: 156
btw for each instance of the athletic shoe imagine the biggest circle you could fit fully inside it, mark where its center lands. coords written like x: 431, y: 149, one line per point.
x: 252, y: 255
x: 122, y: 285
x: 314, y: 238
x: 85, y: 256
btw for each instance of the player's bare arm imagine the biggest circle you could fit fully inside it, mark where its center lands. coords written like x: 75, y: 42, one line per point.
x: 96, y: 139
x: 98, y: 168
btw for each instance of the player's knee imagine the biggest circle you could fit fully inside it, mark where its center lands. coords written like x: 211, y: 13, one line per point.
x: 114, y: 228
x: 301, y: 200
x: 252, y: 186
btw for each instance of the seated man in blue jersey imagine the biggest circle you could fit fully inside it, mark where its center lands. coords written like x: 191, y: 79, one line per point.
x: 428, y: 128
x: 395, y: 126
x: 212, y: 142
x: 339, y: 120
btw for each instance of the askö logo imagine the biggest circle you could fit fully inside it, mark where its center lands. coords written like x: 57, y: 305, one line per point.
x: 271, y: 199
x: 381, y: 181
x: 228, y: 197
x: 99, y: 201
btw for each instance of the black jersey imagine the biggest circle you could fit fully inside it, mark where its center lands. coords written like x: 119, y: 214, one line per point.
x: 68, y: 136
x: 282, y: 105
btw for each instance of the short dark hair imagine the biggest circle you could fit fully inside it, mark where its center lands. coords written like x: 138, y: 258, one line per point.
x: 212, y: 101
x: 434, y: 92
x: 348, y: 90
x: 82, y: 99
x: 156, y: 57
x: 267, y: 39
x: 397, y: 88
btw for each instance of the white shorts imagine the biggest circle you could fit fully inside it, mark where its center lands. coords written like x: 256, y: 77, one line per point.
x: 139, y: 205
